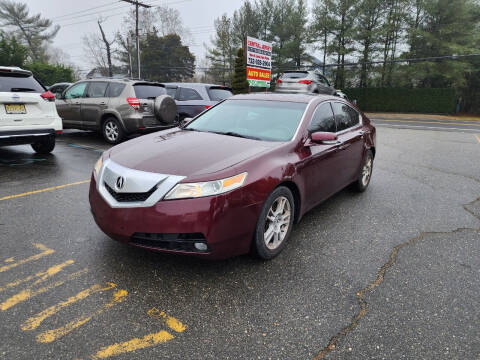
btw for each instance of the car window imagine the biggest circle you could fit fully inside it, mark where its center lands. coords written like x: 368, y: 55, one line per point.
x: 257, y: 119
x: 345, y: 116
x: 115, y: 89
x: 187, y: 94
x: 76, y: 91
x: 11, y: 82
x: 219, y: 94
x: 322, y: 80
x: 171, y: 91
x: 295, y: 75
x: 97, y: 89
x: 149, y: 91
x: 323, y: 119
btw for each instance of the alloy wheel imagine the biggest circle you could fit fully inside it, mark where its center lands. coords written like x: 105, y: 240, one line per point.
x: 111, y: 131
x: 367, y: 171
x: 277, y: 223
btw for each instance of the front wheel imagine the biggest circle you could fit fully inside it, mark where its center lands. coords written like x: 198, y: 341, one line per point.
x: 366, y: 173
x: 44, y: 146
x: 274, y: 224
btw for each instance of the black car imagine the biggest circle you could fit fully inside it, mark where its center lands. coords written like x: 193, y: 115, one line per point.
x: 194, y: 98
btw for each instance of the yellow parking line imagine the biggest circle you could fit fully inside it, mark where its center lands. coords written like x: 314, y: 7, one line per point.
x: 44, y: 252
x: 428, y: 122
x: 477, y: 137
x: 43, y: 190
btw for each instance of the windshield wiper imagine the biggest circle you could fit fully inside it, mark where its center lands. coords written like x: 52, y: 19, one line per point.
x: 232, y: 133
x: 21, y: 89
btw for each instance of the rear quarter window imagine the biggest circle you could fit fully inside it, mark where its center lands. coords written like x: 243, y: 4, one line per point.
x: 218, y: 94
x: 147, y: 91
x: 19, y: 83
x: 115, y: 89
x: 187, y: 94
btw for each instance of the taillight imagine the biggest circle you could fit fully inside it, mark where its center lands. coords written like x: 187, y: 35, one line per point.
x: 306, y: 82
x: 134, y: 103
x: 208, y: 106
x: 279, y: 81
x: 59, y: 132
x: 48, y: 96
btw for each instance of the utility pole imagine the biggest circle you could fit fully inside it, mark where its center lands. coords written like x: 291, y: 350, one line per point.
x: 137, y: 5
x: 129, y: 57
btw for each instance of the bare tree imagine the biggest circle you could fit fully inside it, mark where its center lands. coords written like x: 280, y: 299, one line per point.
x: 107, y: 48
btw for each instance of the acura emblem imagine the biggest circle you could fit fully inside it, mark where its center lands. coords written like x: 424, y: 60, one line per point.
x: 120, y: 182
x: 15, y: 97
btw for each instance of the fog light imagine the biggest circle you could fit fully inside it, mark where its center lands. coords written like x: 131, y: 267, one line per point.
x: 200, y: 246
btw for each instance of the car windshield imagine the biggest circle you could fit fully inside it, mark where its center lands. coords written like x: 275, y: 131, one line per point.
x: 255, y: 119
x: 11, y: 82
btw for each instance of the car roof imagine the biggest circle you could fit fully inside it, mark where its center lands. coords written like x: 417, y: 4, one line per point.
x: 193, y: 85
x: 14, y: 69
x: 299, y: 98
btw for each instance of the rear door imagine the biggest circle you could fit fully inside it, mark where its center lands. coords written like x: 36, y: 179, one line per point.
x: 94, y: 104
x: 20, y: 101
x: 146, y: 93
x: 323, y: 85
x: 351, y: 138
x: 69, y: 107
x: 190, y: 103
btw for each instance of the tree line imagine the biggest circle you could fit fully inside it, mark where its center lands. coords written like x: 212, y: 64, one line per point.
x: 376, y: 35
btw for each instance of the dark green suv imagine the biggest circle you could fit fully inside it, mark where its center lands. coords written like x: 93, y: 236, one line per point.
x: 116, y: 107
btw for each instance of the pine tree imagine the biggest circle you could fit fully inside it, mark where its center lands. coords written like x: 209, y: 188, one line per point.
x: 239, y: 82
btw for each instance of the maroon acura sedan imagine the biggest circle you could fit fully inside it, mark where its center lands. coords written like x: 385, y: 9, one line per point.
x: 234, y: 179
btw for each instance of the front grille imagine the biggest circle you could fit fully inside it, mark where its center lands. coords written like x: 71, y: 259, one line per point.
x: 175, y: 242
x: 130, y: 197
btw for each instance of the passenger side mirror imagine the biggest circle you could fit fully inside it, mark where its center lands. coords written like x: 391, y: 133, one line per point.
x: 325, y: 138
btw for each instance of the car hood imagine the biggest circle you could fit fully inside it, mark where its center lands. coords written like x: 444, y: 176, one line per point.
x: 186, y: 153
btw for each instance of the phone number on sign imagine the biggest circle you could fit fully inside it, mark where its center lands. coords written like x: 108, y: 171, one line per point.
x: 259, y: 62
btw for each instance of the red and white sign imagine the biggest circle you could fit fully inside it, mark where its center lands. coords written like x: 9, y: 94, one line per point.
x: 259, y: 62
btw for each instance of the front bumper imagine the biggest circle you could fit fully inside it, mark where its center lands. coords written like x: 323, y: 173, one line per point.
x: 20, y: 137
x: 227, y: 222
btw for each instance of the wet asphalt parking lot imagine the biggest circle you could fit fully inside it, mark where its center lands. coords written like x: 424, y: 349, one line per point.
x: 393, y: 273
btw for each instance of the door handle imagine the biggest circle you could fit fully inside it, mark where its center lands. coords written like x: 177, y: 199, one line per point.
x: 103, y: 103
x: 77, y: 102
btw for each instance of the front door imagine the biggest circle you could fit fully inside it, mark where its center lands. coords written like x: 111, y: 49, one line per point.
x: 69, y: 107
x: 321, y: 165
x: 94, y: 105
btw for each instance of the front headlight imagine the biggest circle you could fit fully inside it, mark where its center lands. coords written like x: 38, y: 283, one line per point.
x: 98, y: 165
x: 209, y: 188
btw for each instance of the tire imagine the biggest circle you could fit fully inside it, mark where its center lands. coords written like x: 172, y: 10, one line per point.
x: 44, y: 146
x: 269, y: 248
x: 165, y: 109
x: 112, y: 131
x: 365, y: 173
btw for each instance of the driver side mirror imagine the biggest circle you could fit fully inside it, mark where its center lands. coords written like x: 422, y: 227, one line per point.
x: 185, y: 122
x: 325, y: 138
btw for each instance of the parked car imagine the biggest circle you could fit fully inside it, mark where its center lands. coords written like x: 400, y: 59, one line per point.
x: 116, y: 107
x: 304, y: 82
x: 58, y: 88
x: 235, y: 178
x: 194, y: 98
x: 27, y: 111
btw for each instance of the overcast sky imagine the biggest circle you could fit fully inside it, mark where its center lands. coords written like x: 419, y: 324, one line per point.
x: 78, y: 18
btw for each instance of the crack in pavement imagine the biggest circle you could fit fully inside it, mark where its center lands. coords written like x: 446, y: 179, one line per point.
x: 380, y: 279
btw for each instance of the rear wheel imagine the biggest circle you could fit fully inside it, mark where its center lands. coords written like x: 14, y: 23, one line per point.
x: 112, y: 131
x: 274, y: 224
x: 366, y: 173
x: 44, y: 146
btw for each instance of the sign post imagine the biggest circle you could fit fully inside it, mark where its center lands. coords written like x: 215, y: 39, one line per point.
x: 259, y: 62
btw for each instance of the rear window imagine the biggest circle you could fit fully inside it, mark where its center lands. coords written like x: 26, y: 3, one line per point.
x: 295, y: 75
x: 219, y: 94
x: 144, y: 91
x: 19, y: 83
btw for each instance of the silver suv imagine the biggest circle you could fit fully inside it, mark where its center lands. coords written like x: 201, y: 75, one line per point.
x: 298, y: 81
x: 116, y: 107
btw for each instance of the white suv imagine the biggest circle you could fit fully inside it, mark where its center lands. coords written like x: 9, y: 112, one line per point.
x: 27, y: 111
